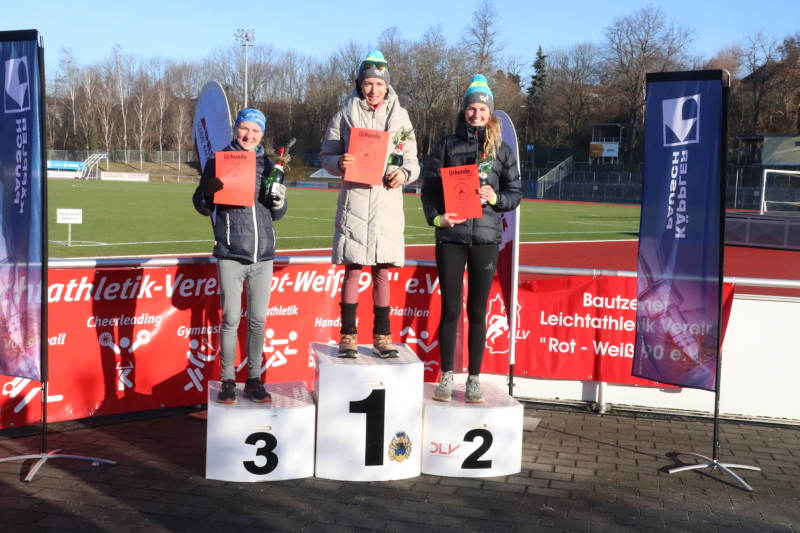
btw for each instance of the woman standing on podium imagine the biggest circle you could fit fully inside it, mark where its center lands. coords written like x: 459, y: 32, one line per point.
x: 370, y: 222
x: 471, y: 242
x: 245, y: 249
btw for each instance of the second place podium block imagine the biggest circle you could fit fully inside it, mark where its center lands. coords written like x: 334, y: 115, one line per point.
x: 472, y: 439
x: 369, y: 416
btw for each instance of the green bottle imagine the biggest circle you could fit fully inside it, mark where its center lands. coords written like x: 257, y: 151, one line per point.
x: 276, y: 175
x: 395, y: 160
x: 483, y: 174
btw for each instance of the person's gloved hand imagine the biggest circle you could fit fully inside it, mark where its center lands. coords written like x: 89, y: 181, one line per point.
x: 279, y: 197
x: 212, y: 185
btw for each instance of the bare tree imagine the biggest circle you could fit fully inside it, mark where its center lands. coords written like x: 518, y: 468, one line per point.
x: 105, y: 105
x: 773, y: 77
x: 68, y: 81
x: 181, y: 125
x: 482, y: 37
x: 86, y: 119
x: 644, y: 41
x: 160, y: 72
x: 574, y: 78
x: 143, y: 111
x: 437, y: 82
x: 122, y: 78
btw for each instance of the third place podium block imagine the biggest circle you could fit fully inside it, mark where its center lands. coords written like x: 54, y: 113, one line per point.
x: 269, y: 441
x: 369, y: 415
x: 472, y: 439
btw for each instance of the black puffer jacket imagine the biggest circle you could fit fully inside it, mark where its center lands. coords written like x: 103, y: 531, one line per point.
x: 462, y: 149
x: 244, y: 233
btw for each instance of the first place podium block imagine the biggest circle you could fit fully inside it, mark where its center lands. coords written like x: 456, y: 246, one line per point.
x: 268, y: 441
x: 472, y: 439
x: 369, y: 423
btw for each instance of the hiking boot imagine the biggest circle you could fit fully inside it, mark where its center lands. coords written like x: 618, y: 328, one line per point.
x: 474, y: 394
x: 227, y: 391
x: 445, y: 389
x: 348, y: 345
x: 254, y: 389
x: 382, y: 345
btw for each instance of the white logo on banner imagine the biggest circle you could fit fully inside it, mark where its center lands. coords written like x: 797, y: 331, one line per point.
x: 497, y: 325
x: 681, y: 120
x: 17, y: 96
x: 278, y: 350
x: 122, y: 376
x: 411, y: 338
x: 16, y: 386
x: 200, y: 353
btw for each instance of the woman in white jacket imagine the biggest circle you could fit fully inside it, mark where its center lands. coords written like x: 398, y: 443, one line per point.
x: 369, y: 220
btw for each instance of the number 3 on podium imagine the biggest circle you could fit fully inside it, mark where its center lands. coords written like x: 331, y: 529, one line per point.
x: 270, y: 442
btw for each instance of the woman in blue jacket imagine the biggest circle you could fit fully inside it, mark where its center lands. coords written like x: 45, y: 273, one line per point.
x: 245, y: 250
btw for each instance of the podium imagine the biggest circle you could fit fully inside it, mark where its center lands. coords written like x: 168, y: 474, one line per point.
x: 271, y: 441
x: 369, y: 419
x: 472, y: 439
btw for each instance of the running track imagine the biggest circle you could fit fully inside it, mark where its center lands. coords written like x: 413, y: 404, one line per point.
x: 740, y: 261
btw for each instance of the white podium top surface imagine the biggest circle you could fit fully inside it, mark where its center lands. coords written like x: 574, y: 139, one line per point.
x: 329, y: 354
x: 493, y: 395
x: 290, y: 395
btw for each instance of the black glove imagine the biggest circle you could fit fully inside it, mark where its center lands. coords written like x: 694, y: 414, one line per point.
x: 212, y: 185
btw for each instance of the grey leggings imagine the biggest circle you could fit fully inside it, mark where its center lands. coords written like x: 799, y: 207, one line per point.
x: 232, y: 277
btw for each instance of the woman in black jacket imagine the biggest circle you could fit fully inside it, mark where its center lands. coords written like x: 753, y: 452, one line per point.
x: 474, y: 242
x: 245, y: 249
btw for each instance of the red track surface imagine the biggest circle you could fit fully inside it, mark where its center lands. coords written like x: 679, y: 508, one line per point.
x: 740, y: 261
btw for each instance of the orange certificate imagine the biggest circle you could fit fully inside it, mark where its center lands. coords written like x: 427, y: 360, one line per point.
x: 370, y: 149
x: 460, y: 185
x: 237, y: 170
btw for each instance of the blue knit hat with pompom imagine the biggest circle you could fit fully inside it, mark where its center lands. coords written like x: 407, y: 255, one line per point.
x: 479, y: 91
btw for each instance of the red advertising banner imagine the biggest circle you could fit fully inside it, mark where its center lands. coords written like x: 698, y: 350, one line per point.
x: 132, y: 339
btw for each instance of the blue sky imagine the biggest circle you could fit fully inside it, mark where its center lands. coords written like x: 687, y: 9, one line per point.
x: 189, y: 30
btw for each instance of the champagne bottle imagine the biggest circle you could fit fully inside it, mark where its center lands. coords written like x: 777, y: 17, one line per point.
x: 483, y: 174
x: 395, y: 160
x: 276, y: 175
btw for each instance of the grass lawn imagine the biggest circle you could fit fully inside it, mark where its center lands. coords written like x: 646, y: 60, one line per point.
x: 130, y: 219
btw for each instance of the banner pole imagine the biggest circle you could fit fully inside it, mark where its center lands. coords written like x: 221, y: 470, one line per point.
x: 512, y: 345
x: 45, y: 345
x: 714, y: 461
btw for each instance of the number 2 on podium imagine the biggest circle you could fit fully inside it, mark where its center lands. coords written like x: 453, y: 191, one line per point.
x: 374, y: 406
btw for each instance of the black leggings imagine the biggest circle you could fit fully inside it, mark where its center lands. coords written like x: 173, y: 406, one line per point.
x: 481, y: 261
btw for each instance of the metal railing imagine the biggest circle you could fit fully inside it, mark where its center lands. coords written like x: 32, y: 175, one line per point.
x: 160, y: 262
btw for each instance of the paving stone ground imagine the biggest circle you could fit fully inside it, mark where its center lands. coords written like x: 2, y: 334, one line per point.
x: 580, y: 472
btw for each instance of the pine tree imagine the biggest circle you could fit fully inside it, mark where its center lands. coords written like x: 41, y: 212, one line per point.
x: 536, y: 91
x: 539, y: 77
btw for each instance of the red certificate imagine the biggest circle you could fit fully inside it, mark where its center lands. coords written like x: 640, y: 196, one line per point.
x: 370, y: 149
x: 460, y: 186
x: 237, y: 170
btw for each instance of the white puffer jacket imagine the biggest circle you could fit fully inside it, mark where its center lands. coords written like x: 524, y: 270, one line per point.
x: 370, y: 222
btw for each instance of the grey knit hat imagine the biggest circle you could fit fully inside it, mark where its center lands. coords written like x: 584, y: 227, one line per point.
x: 480, y: 92
x: 370, y: 68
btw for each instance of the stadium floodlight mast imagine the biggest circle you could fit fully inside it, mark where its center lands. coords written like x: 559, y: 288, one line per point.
x: 246, y: 37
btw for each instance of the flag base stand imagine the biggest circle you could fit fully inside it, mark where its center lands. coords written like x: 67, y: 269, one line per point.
x: 43, y: 457
x: 713, y: 464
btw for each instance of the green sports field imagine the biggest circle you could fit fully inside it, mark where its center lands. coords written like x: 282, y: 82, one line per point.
x: 143, y: 219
